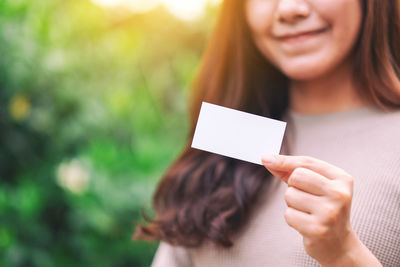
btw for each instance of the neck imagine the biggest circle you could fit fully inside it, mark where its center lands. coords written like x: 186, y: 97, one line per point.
x: 335, y: 91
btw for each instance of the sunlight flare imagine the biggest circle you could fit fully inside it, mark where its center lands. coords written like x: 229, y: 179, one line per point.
x: 183, y: 9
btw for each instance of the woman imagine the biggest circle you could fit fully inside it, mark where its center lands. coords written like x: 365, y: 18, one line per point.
x: 331, y: 70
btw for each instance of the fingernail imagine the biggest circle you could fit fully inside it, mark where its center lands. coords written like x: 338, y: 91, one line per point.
x: 268, y: 159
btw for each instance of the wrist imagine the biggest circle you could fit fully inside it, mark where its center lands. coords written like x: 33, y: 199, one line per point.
x: 348, y: 252
x: 354, y: 253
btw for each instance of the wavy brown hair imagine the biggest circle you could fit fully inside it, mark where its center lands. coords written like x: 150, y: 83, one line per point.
x: 204, y: 196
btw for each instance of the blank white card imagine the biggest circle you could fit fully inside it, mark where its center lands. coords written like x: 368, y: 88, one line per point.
x: 237, y: 134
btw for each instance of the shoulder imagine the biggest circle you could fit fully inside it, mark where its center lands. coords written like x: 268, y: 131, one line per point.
x: 379, y: 121
x: 387, y: 123
x: 383, y: 129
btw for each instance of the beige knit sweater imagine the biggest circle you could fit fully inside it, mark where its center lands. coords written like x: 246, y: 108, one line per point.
x: 366, y: 143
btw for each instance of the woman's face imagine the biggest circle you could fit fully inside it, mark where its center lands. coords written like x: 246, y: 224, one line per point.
x: 305, y: 38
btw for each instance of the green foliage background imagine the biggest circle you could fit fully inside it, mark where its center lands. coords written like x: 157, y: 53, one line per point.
x: 93, y: 93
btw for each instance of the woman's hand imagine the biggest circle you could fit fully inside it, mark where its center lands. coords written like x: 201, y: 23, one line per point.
x: 319, y: 201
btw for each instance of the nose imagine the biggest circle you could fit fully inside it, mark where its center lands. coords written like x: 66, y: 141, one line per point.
x: 290, y: 11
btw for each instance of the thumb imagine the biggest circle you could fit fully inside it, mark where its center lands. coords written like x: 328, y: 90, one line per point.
x: 282, y: 175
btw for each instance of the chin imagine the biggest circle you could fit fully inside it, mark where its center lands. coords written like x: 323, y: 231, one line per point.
x: 303, y: 75
x: 304, y: 71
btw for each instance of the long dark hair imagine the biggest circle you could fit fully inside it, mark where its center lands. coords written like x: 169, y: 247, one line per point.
x: 204, y: 196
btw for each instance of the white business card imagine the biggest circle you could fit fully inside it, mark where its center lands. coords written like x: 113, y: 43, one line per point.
x: 237, y: 134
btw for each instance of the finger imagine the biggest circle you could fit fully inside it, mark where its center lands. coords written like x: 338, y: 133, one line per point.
x: 280, y: 174
x: 309, y: 181
x: 289, y: 163
x: 301, y: 200
x: 300, y: 221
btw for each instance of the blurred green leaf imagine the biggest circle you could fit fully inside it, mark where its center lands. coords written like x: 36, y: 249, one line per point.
x: 92, y: 113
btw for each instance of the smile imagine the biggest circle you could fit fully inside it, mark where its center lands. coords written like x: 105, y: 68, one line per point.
x: 301, y: 37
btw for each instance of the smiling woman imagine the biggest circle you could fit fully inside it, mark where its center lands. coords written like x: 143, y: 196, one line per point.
x: 305, y: 47
x: 183, y: 9
x: 331, y: 69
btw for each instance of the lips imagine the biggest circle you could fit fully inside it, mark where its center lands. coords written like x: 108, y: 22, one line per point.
x: 300, y: 35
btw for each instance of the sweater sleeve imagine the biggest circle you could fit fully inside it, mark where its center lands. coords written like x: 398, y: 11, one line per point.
x: 171, y: 256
